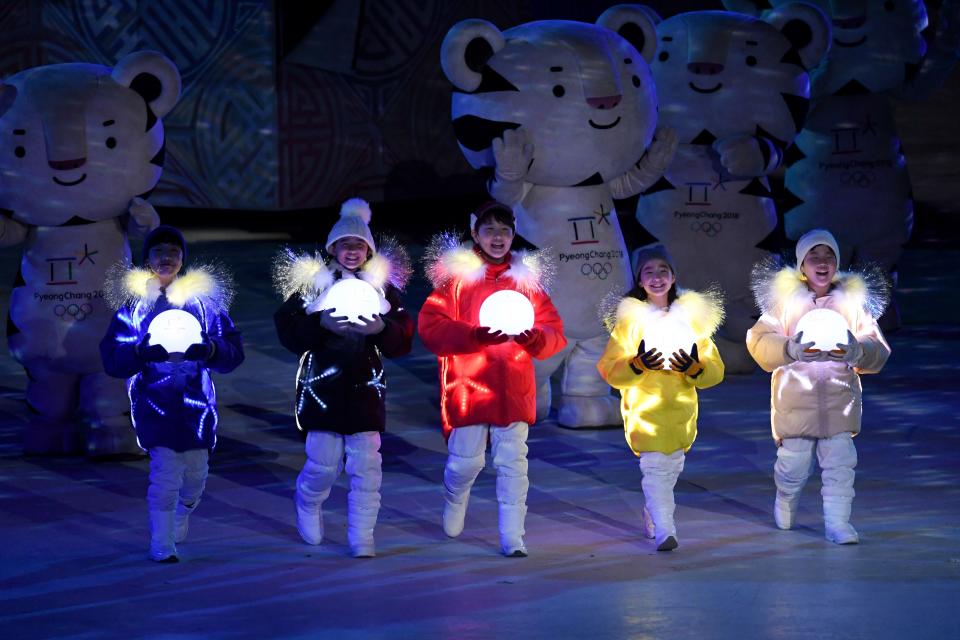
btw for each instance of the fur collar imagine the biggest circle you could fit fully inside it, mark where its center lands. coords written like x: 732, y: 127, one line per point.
x: 309, y: 275
x: 135, y: 285
x: 776, y: 286
x: 448, y: 260
x: 702, y: 312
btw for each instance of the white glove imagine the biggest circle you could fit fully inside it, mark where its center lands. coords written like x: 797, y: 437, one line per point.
x: 512, y: 154
x: 658, y: 157
x: 849, y: 353
x: 740, y: 155
x: 797, y: 350
x: 143, y: 217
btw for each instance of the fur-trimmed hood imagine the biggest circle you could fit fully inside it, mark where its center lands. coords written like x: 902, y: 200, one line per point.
x: 447, y: 259
x: 778, y: 286
x: 701, y: 311
x: 133, y: 286
x: 310, y: 275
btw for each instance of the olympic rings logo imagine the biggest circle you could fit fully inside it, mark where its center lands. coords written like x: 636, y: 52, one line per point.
x: 862, y: 179
x: 74, y: 311
x: 709, y: 228
x: 596, y: 270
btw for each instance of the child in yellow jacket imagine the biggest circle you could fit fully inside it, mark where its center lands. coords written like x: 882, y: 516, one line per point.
x: 659, y: 406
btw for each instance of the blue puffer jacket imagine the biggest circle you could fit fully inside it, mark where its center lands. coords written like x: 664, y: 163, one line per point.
x: 172, y: 404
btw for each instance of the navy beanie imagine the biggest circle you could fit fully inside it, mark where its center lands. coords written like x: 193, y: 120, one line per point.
x: 164, y: 234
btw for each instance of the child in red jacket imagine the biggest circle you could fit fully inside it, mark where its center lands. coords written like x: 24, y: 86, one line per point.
x: 487, y: 386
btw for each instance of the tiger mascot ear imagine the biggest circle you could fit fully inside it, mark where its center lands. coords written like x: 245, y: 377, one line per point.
x: 807, y: 29
x: 466, y: 49
x: 636, y: 24
x: 153, y: 76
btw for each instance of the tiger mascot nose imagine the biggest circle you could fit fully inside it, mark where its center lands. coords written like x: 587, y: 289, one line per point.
x: 605, y: 102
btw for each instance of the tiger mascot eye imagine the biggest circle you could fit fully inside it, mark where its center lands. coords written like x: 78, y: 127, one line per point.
x: 736, y: 90
x: 81, y: 145
x: 563, y: 115
x: 847, y: 171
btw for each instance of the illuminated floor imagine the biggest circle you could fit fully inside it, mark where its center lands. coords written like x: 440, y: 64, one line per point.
x: 73, y: 534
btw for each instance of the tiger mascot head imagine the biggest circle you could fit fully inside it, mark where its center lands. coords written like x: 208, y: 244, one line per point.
x: 877, y: 45
x: 720, y: 74
x: 582, y: 92
x: 80, y: 140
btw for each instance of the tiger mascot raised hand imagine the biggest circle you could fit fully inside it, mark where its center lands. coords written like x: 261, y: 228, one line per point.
x: 82, y: 146
x: 563, y: 116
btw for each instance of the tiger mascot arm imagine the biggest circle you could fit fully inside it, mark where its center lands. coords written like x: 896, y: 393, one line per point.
x: 651, y: 165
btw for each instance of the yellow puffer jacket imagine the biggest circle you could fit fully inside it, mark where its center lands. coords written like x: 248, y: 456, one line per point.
x: 815, y: 399
x: 660, y: 407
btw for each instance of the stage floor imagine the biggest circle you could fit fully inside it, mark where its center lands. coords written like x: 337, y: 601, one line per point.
x: 74, y: 534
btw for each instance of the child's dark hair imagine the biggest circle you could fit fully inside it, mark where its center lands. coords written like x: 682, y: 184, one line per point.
x: 495, y: 211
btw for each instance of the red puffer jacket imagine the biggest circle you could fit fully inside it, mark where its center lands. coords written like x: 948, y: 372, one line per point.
x: 479, y: 384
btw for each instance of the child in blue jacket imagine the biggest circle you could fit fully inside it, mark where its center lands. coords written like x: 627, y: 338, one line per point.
x: 173, y: 402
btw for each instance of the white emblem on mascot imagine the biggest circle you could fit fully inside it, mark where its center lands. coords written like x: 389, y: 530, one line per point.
x: 736, y: 90
x: 83, y: 144
x: 564, y: 113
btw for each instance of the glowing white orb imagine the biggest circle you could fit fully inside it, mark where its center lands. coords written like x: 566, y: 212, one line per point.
x: 825, y: 327
x: 507, y: 311
x: 175, y: 330
x: 668, y: 335
x: 352, y: 297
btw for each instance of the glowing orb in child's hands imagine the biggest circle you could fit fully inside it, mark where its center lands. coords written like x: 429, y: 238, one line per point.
x: 175, y: 330
x: 668, y: 335
x: 352, y: 297
x: 507, y: 311
x: 824, y: 327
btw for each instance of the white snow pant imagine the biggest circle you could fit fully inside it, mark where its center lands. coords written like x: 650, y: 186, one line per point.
x: 325, y: 460
x: 176, y: 478
x: 586, y: 398
x: 660, y: 473
x: 837, y: 456
x: 466, y: 458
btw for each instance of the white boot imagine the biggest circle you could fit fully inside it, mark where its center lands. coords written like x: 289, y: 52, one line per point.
x: 660, y: 473
x: 790, y: 473
x: 511, y: 521
x: 454, y: 513
x: 785, y: 509
x: 309, y: 519
x: 320, y: 470
x: 836, y: 521
x: 181, y: 521
x: 464, y: 463
x: 364, y: 466
x: 838, y: 458
x: 649, y: 532
x: 361, y: 519
x: 162, y: 546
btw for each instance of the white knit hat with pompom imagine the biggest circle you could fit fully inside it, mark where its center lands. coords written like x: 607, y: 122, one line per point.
x: 353, y: 223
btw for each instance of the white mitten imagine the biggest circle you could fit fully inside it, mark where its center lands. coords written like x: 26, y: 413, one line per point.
x: 512, y: 154
x: 740, y: 155
x: 658, y: 157
x: 143, y: 217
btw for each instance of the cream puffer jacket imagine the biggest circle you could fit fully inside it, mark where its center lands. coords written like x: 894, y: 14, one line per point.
x: 816, y: 399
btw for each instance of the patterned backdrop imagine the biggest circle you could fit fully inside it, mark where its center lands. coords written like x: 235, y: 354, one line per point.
x: 249, y: 133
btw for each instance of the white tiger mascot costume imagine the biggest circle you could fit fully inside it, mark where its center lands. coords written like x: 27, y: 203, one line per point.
x: 564, y: 114
x: 83, y: 145
x: 847, y: 171
x: 736, y: 90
